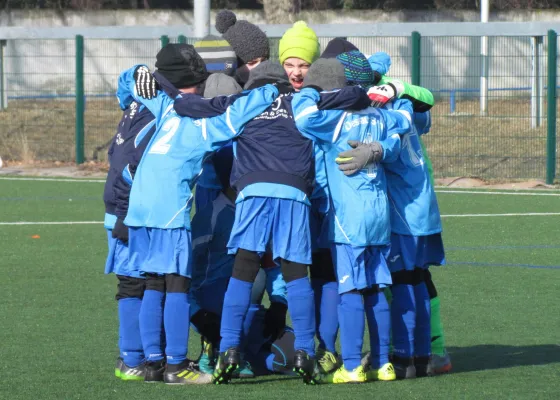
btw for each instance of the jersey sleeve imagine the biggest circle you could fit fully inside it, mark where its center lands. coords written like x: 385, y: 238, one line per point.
x: 422, y: 99
x: 391, y: 148
x: 195, y: 106
x: 312, y: 122
x: 126, y: 93
x: 349, y: 97
x: 230, y: 124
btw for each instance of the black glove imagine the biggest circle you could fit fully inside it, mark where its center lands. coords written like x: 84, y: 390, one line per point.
x: 275, y: 320
x: 120, y: 231
x: 146, y: 84
x: 208, y: 325
x: 362, y: 154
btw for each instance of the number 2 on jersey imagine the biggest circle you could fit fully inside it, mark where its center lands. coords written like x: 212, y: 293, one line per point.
x: 162, y: 146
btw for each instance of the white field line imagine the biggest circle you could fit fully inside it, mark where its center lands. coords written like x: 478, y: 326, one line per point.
x: 52, y: 223
x: 500, y: 215
x: 498, y: 193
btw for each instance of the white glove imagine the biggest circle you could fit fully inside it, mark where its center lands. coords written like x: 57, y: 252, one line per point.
x: 381, y: 95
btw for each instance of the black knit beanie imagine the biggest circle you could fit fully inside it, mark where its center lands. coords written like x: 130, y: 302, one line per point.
x: 181, y: 65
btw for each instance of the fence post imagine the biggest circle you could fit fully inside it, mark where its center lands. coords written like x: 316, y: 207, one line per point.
x: 182, y: 39
x: 164, y: 40
x: 80, y: 99
x: 551, y: 109
x: 3, y: 86
x: 415, y: 64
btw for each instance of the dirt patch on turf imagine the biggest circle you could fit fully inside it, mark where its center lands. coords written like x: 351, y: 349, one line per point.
x: 498, y: 184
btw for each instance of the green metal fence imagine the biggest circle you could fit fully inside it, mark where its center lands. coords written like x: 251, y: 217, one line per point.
x: 61, y: 101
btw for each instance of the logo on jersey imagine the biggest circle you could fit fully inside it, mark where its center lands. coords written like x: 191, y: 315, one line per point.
x: 119, y: 140
x: 392, y: 260
x: 133, y: 108
x: 276, y: 110
x: 344, y: 279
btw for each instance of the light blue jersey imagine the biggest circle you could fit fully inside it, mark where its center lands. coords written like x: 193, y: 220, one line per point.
x: 360, y: 209
x: 161, y: 194
x: 414, y: 207
x: 321, y: 188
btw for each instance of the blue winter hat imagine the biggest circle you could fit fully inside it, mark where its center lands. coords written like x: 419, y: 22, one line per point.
x: 380, y: 62
x: 357, y: 69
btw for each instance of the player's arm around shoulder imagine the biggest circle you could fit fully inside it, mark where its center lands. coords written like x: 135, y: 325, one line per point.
x: 230, y: 124
x: 126, y: 93
x: 310, y: 120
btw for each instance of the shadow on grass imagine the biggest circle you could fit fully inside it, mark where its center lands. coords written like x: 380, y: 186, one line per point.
x: 483, y: 357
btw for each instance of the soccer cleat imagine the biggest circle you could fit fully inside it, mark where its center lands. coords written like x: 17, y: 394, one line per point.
x: 118, y: 366
x: 440, y: 364
x: 154, y: 371
x: 207, y: 362
x: 186, y: 373
x: 226, y: 364
x: 423, y: 367
x: 132, y: 373
x: 327, y: 362
x: 342, y: 375
x: 243, y: 370
x: 385, y: 373
x: 404, y: 368
x: 306, y: 367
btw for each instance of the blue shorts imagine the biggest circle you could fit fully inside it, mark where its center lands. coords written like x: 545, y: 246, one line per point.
x: 410, y: 252
x: 117, y: 259
x: 160, y: 251
x: 360, y: 267
x: 282, y: 225
x: 319, y: 223
x: 204, y: 196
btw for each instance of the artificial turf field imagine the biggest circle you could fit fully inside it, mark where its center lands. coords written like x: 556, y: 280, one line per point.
x: 500, y: 296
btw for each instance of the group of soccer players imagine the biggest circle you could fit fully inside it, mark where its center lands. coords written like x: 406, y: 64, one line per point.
x: 311, y: 184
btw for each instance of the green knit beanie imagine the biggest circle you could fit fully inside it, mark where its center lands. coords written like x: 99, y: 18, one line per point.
x: 299, y: 41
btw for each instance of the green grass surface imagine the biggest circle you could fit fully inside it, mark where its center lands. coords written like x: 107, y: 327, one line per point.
x: 58, y: 318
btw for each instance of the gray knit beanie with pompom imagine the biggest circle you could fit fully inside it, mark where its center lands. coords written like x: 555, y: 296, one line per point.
x: 247, y: 40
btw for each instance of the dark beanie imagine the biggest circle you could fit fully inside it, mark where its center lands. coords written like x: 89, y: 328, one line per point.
x: 181, y: 65
x: 336, y: 47
x: 247, y: 40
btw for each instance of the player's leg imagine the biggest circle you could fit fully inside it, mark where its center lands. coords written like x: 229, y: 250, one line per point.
x: 422, y: 336
x: 129, y: 297
x: 441, y: 361
x: 291, y: 240
x: 327, y: 299
x: 378, y: 314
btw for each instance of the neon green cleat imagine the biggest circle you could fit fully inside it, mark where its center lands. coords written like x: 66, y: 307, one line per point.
x: 207, y: 361
x: 385, y: 373
x: 120, y: 362
x: 341, y: 375
x: 327, y: 361
x: 243, y: 370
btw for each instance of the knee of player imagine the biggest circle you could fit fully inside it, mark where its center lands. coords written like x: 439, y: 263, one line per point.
x: 130, y: 287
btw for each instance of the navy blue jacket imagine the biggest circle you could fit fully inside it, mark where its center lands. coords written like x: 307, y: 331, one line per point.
x: 271, y: 149
x: 133, y: 135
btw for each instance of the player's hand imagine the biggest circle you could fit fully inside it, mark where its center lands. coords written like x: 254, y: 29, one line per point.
x: 146, y: 84
x: 275, y: 320
x: 120, y: 231
x: 208, y: 325
x: 362, y: 154
x: 381, y: 95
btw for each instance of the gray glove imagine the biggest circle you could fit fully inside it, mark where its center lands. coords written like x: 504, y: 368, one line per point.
x: 325, y: 74
x: 362, y: 154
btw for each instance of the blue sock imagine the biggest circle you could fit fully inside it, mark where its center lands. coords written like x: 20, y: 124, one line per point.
x: 130, y: 342
x: 317, y: 286
x: 177, y: 324
x: 403, y: 317
x: 352, y: 326
x: 236, y: 304
x: 301, y: 306
x: 151, y: 324
x: 379, y: 324
x: 422, y: 333
x: 253, y: 327
x: 328, y: 328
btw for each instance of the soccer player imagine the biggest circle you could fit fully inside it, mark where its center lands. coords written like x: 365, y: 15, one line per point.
x: 359, y: 214
x: 160, y: 200
x: 133, y: 134
x: 415, y: 240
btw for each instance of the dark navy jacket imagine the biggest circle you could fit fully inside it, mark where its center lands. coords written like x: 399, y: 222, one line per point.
x: 271, y: 149
x: 133, y: 135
